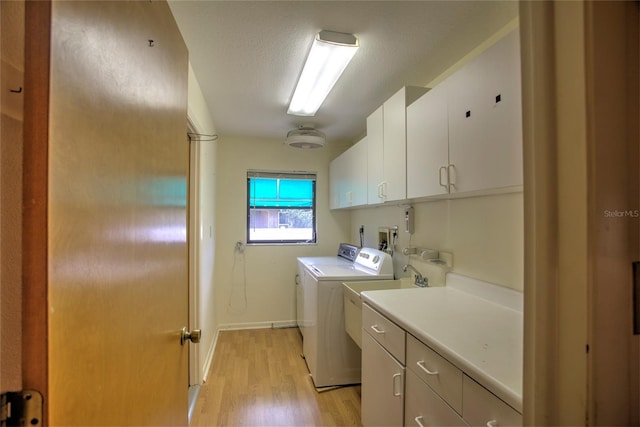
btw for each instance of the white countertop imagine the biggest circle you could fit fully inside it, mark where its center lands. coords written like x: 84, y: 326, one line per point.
x: 481, y: 337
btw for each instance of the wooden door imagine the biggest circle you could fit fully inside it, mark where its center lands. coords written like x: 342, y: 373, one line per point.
x: 114, y: 190
x: 11, y: 80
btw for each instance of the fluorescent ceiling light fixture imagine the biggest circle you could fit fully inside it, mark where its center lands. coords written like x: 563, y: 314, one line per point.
x: 328, y: 57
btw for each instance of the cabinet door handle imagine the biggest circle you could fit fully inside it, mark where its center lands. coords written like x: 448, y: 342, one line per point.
x: 442, y: 168
x: 397, y: 393
x: 349, y: 198
x: 451, y: 177
x: 420, y: 364
x: 382, y: 190
x: 418, y: 420
x: 377, y: 329
x: 492, y: 423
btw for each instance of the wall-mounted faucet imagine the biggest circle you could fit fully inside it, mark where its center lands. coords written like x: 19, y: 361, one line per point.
x: 420, y: 281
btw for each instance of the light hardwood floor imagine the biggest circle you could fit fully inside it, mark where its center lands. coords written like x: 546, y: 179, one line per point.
x: 258, y: 378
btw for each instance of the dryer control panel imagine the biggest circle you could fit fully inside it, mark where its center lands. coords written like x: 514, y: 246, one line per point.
x: 375, y: 260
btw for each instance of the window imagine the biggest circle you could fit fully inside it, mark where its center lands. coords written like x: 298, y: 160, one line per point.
x: 281, y: 207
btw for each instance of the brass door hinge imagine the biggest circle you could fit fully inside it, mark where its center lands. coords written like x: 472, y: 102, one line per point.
x: 21, y: 408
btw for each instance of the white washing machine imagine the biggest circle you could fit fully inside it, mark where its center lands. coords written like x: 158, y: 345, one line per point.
x: 331, y: 355
x: 345, y: 256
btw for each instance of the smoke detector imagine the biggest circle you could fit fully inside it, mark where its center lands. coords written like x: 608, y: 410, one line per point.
x: 305, y: 137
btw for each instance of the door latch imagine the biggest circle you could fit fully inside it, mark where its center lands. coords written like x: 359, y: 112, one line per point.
x: 636, y: 298
x: 21, y: 408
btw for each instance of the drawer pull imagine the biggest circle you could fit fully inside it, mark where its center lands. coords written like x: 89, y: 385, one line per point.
x: 420, y: 363
x: 377, y: 329
x: 418, y: 420
x: 397, y: 393
x: 492, y: 423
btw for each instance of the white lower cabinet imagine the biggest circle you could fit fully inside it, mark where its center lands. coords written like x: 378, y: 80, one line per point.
x: 482, y: 408
x: 438, y: 373
x: 405, y: 382
x: 423, y: 407
x: 382, y: 386
x: 383, y: 355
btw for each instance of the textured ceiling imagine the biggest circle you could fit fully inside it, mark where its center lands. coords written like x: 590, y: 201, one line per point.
x: 247, y: 55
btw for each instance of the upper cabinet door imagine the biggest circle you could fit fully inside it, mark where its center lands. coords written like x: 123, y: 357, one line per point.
x: 467, y: 154
x: 395, y: 148
x: 503, y: 103
x: 375, y: 156
x: 348, y: 177
x: 428, y: 144
x: 357, y: 163
x: 485, y: 120
x: 337, y: 181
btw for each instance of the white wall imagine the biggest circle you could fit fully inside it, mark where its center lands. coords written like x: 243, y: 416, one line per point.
x: 257, y: 287
x: 203, y: 152
x: 484, y: 234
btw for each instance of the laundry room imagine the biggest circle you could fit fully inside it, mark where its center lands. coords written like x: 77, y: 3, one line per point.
x: 477, y: 233
x: 409, y: 233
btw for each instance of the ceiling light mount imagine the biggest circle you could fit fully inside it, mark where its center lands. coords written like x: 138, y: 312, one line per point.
x: 305, y: 137
x: 329, y: 56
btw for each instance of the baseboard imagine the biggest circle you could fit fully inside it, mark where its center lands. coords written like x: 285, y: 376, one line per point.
x: 258, y: 325
x: 209, y: 359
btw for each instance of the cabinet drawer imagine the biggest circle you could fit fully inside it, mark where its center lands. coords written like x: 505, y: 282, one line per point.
x: 482, y: 408
x: 383, y: 330
x: 425, y: 408
x: 444, y: 378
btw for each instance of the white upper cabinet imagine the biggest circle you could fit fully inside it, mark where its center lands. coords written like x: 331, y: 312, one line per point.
x: 348, y: 177
x: 387, y: 156
x: 337, y: 181
x: 428, y: 144
x: 485, y: 120
x: 375, y: 156
x: 465, y: 135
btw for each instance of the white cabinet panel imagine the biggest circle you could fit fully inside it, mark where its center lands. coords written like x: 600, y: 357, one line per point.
x: 395, y: 148
x: 387, y: 133
x: 375, y: 156
x: 485, y: 123
x: 348, y: 177
x: 357, y: 174
x: 504, y: 113
x: 423, y: 407
x: 482, y: 408
x: 383, y: 330
x: 382, y: 386
x: 444, y: 378
x: 337, y: 181
x: 467, y: 153
x: 481, y: 148
x: 428, y: 144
